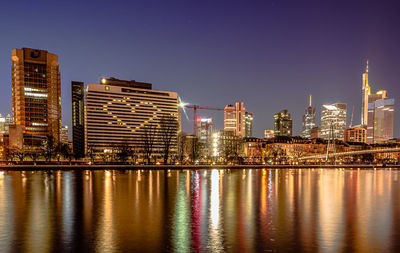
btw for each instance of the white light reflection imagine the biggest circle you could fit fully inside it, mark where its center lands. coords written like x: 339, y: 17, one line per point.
x: 67, y: 207
x: 214, y: 200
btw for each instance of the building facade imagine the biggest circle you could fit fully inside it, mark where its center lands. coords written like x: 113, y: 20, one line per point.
x: 333, y: 121
x: 283, y: 123
x: 64, y: 134
x: 248, y: 122
x: 203, y: 132
x: 235, y: 119
x: 308, y: 120
x: 36, y: 95
x: 122, y: 112
x: 269, y: 133
x: 78, y: 118
x: 380, y: 121
x: 355, y: 134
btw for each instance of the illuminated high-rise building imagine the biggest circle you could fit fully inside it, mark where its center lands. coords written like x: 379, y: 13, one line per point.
x: 283, y: 123
x: 203, y: 132
x: 308, y: 120
x: 119, y: 112
x: 64, y: 134
x: 248, y: 122
x: 36, y: 95
x: 368, y: 97
x: 380, y: 121
x: 333, y: 121
x: 366, y: 90
x: 78, y: 119
x: 237, y: 120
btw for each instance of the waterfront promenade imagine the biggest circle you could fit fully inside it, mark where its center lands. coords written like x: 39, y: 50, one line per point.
x: 194, y: 167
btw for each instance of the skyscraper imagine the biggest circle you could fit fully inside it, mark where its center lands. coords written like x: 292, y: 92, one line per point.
x: 64, y: 134
x: 308, y: 120
x: 237, y: 120
x: 248, y: 119
x: 204, y: 129
x: 368, y: 97
x: 36, y: 94
x: 333, y: 117
x: 366, y: 90
x: 283, y: 123
x: 380, y: 121
x: 78, y: 119
x: 120, y: 112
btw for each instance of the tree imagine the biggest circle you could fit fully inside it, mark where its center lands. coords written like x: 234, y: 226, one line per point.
x: 18, y: 153
x: 66, y: 152
x: 148, y: 141
x: 230, y: 148
x: 34, y: 156
x: 298, y: 151
x: 195, y: 148
x: 123, y: 151
x: 274, y: 153
x: 49, y: 148
x: 168, y: 134
x: 181, y: 147
x: 91, y: 152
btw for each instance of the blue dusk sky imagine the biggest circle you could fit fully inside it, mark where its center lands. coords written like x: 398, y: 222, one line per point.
x: 269, y: 54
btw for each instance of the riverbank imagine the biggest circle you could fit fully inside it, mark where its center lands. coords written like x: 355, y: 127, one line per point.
x: 194, y: 167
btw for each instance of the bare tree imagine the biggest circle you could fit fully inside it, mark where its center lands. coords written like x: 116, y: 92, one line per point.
x: 49, y: 148
x: 91, y: 152
x: 274, y: 153
x: 298, y: 151
x: 123, y: 151
x: 148, y: 141
x: 66, y: 151
x: 168, y: 134
x: 230, y: 149
x: 194, y: 147
x: 18, y: 153
x: 181, y: 147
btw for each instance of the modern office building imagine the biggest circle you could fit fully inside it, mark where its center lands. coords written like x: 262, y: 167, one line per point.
x: 234, y: 119
x: 368, y: 97
x: 64, y: 134
x: 119, y: 112
x: 78, y: 118
x: 355, y: 134
x: 283, y: 123
x: 333, y: 121
x: 36, y: 95
x: 224, y: 141
x: 380, y: 121
x: 203, y: 133
x: 308, y: 120
x: 269, y: 133
x: 248, y: 119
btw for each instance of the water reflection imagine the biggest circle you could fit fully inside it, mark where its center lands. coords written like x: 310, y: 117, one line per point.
x: 304, y: 210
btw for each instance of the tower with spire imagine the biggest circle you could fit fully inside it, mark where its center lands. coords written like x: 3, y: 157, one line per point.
x: 308, y: 120
x: 366, y: 91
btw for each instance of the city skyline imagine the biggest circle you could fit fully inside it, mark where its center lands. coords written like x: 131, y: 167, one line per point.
x: 266, y: 81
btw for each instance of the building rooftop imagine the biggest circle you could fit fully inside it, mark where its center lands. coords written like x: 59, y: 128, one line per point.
x: 124, y: 83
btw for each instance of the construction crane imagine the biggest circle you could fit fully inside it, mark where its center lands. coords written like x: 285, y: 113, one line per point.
x: 197, y: 107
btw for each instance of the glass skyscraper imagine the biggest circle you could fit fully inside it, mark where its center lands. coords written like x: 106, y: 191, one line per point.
x: 333, y: 121
x: 308, y: 120
x: 380, y: 121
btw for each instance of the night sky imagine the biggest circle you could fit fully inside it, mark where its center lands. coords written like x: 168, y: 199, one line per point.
x: 268, y: 54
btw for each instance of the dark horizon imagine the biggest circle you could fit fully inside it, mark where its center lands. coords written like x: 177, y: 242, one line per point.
x: 270, y: 55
